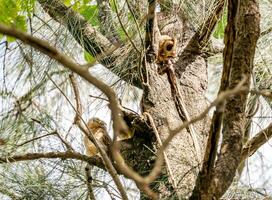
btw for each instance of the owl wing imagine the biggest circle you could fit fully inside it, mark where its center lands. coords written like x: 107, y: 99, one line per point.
x: 103, y: 137
x: 90, y: 147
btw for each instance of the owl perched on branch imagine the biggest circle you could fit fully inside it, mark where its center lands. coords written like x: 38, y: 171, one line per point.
x: 99, y: 130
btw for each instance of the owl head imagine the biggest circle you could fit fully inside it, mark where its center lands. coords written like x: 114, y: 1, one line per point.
x: 95, y: 123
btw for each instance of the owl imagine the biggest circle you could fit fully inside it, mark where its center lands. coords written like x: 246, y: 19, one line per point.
x: 98, y: 129
x: 167, y: 49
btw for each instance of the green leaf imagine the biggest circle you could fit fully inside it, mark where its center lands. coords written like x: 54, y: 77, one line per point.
x: 88, y: 57
x: 8, y: 10
x: 90, y: 13
x: 67, y: 2
x: 86, y: 2
x: 220, y: 27
x: 27, y: 6
x: 20, y: 23
x: 10, y: 39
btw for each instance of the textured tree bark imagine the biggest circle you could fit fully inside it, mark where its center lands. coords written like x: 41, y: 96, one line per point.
x: 158, y: 102
x: 241, y: 38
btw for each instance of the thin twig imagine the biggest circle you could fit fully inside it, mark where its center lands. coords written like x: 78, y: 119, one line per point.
x: 36, y: 138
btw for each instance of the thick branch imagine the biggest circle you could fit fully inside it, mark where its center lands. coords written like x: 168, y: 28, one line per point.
x: 247, y: 30
x: 241, y: 37
x: 202, y: 35
x: 216, y: 124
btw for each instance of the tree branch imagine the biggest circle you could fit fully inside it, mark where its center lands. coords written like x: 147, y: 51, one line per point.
x: 96, y: 161
x: 87, y: 36
x: 200, y: 39
x: 89, y: 182
x: 217, y: 119
x: 152, y: 31
x: 87, y: 132
x: 203, y: 33
x: 256, y: 142
x: 242, y: 33
x: 44, y: 47
x: 119, y: 125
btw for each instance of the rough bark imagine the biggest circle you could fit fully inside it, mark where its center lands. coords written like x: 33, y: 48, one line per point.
x: 241, y: 39
x: 158, y: 102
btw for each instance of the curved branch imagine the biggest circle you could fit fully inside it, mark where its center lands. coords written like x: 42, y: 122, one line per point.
x: 119, y: 125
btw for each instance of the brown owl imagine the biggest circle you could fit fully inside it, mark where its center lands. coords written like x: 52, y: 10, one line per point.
x: 167, y: 49
x: 98, y: 129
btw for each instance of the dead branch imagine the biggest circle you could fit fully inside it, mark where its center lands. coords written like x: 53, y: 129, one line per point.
x: 117, y: 116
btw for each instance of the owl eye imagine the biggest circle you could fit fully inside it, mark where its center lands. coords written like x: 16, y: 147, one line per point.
x: 169, y: 47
